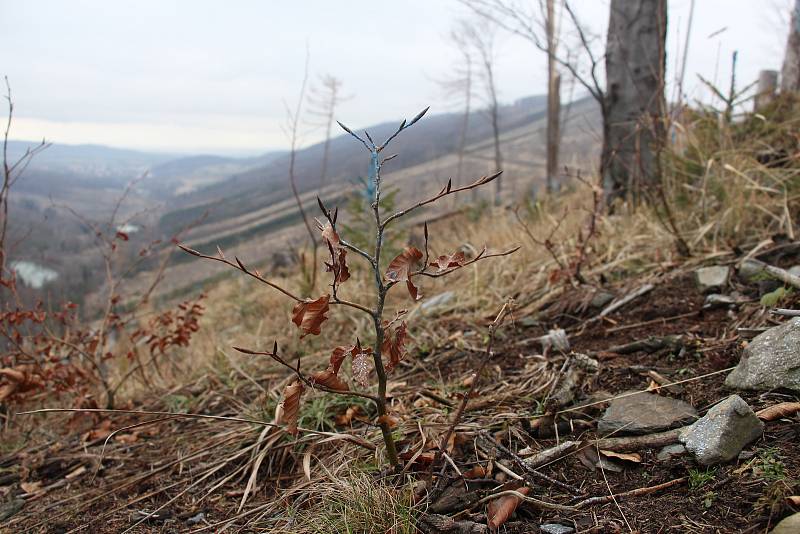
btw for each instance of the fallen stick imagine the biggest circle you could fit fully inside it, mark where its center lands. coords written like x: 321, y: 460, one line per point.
x: 785, y: 312
x: 632, y: 443
x: 652, y: 321
x: 632, y: 493
x: 441, y: 523
x: 552, y: 454
x: 783, y: 275
x: 617, y: 304
x: 649, y: 345
x: 530, y: 471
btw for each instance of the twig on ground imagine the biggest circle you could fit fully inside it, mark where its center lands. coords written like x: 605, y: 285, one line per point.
x: 603, y: 499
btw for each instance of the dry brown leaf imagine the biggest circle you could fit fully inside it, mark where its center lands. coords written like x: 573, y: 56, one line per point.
x: 394, y: 345
x: 310, y: 314
x: 101, y: 432
x: 442, y: 263
x: 501, y: 508
x: 400, y: 268
x: 127, y: 439
x: 329, y: 235
x: 476, y: 472
x: 794, y: 500
x: 290, y: 407
x: 389, y: 420
x: 31, y: 487
x: 337, y: 357
x: 628, y: 457
x: 783, y: 409
x: 329, y: 379
x: 338, y: 265
x: 346, y: 419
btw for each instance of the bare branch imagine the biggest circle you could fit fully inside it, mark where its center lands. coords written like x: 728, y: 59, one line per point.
x: 446, y: 190
x: 295, y: 369
x: 240, y: 267
x: 481, y: 256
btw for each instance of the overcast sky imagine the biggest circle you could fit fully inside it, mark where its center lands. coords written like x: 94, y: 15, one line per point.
x: 212, y: 76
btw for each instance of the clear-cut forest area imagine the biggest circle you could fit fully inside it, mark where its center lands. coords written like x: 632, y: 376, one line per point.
x: 572, y: 312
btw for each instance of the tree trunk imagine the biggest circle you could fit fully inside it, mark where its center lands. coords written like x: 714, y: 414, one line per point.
x: 790, y: 72
x: 765, y: 93
x: 553, y: 99
x: 494, y: 112
x: 634, y: 106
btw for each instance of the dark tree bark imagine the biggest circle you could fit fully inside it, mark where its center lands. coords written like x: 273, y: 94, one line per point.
x: 790, y: 73
x: 634, y: 106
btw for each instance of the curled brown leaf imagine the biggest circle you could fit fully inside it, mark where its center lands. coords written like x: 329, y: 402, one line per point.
x: 394, y: 345
x: 401, y: 267
x: 501, y: 508
x: 310, y: 314
x: 329, y: 379
x: 291, y: 406
x: 450, y: 261
x: 338, y: 265
x: 782, y: 409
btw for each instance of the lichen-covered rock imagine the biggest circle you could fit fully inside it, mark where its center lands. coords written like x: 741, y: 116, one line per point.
x: 712, y: 278
x: 645, y: 413
x: 771, y: 360
x: 723, y: 432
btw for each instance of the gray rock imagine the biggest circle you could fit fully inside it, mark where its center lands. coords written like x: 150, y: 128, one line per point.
x: 795, y: 270
x: 555, y: 528
x: 432, y: 304
x: 555, y: 339
x: 715, y: 300
x: 645, y: 413
x: 790, y: 525
x: 723, y: 432
x: 750, y: 270
x: 671, y: 451
x: 712, y: 278
x: 601, y: 299
x: 771, y: 360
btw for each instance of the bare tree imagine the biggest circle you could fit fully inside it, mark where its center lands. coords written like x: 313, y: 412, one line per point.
x: 459, y: 88
x: 11, y: 173
x: 323, y: 102
x: 293, y: 133
x: 539, y: 26
x: 481, y: 38
x: 635, y: 106
x: 790, y: 72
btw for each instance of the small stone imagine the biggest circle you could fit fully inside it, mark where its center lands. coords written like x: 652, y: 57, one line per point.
x: 716, y: 300
x: 556, y: 340
x: 671, y: 451
x: 749, y: 270
x: 712, y: 278
x: 197, y: 518
x: 555, y: 528
x: 795, y: 270
x: 645, y: 413
x: 790, y: 525
x: 723, y: 432
x: 770, y: 361
x: 430, y: 305
x: 601, y: 299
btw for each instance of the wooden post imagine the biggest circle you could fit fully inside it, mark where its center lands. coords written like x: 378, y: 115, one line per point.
x: 767, y: 85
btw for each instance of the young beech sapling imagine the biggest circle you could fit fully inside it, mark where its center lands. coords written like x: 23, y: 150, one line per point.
x: 388, y: 348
